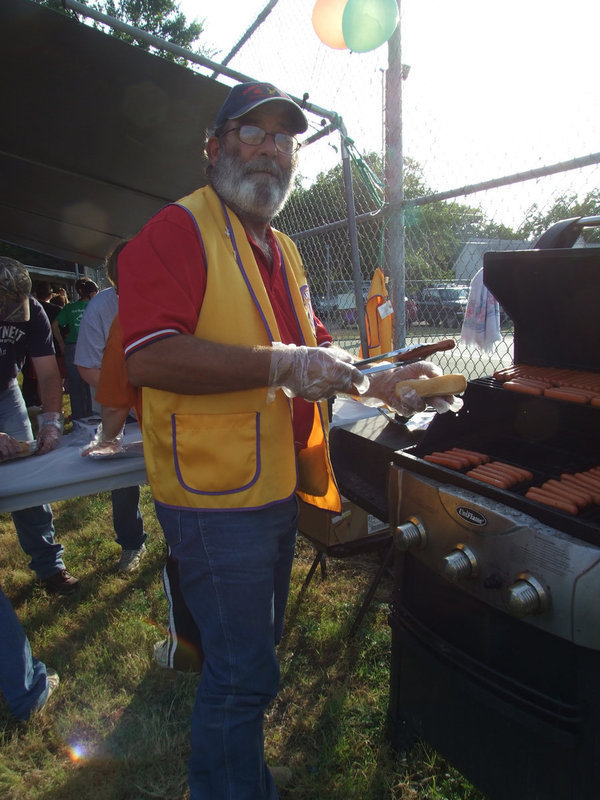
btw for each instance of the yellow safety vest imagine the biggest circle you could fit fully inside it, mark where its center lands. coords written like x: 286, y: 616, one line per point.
x: 235, y: 450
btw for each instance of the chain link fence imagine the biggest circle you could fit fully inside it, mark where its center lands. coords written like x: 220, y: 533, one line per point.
x: 444, y: 145
x: 492, y: 134
x: 444, y: 244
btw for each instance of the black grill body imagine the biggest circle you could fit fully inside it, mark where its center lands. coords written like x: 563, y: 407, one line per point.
x: 513, y: 701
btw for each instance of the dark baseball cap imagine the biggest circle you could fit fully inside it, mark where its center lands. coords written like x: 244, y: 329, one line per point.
x: 15, y: 288
x: 246, y: 96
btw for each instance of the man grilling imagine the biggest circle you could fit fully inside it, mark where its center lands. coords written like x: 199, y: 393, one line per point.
x: 219, y: 331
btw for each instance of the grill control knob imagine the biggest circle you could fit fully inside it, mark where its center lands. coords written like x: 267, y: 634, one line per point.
x: 410, y: 535
x: 527, y: 596
x: 460, y: 563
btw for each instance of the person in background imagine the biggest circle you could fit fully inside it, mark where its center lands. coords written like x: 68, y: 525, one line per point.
x: 58, y: 298
x: 24, y: 328
x: 182, y: 649
x: 91, y: 341
x: 26, y: 683
x: 43, y: 293
x: 70, y: 316
x: 235, y: 370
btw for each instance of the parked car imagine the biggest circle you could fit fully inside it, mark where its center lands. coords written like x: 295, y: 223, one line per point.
x: 411, y: 311
x: 324, y: 306
x: 443, y: 305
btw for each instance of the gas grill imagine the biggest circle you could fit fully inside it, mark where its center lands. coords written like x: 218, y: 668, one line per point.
x: 495, y: 616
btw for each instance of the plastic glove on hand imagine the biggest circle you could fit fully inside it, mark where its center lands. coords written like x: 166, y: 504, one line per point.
x: 338, y: 352
x: 440, y: 391
x: 383, y: 386
x: 102, y: 445
x: 9, y: 447
x: 50, y: 431
x: 446, y: 403
x: 313, y: 373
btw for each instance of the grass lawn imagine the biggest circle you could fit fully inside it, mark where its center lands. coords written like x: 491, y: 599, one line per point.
x: 117, y: 727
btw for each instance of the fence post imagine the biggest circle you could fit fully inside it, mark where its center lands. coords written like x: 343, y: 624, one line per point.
x: 395, y: 254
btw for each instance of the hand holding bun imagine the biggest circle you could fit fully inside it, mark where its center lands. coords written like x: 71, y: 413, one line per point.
x: 440, y: 391
x: 13, y: 448
x: 440, y: 386
x: 406, y: 402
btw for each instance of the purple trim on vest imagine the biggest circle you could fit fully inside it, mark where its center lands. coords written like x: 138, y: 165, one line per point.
x: 225, y: 510
x: 243, y: 271
x: 216, y: 494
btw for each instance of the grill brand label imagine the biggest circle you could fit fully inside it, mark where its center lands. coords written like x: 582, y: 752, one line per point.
x: 472, y: 516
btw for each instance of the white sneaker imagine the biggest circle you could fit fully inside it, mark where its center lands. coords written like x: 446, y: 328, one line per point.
x: 130, y: 559
x: 53, y: 680
x: 161, y: 658
x: 161, y: 654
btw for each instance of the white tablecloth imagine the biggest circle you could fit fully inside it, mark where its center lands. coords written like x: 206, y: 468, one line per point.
x: 64, y: 473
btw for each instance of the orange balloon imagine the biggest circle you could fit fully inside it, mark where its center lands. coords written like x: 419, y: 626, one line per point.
x: 327, y: 22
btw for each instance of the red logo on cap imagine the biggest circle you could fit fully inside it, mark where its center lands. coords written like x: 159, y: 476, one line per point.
x: 260, y: 90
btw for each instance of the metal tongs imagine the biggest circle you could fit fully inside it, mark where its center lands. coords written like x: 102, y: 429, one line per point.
x: 404, y: 355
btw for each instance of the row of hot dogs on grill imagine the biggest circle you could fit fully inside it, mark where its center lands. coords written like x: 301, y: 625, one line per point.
x: 571, y: 492
x: 570, y: 385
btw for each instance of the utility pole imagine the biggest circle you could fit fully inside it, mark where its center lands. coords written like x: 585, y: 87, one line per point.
x: 394, y: 185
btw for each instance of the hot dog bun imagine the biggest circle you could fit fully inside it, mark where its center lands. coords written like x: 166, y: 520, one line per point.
x: 440, y: 386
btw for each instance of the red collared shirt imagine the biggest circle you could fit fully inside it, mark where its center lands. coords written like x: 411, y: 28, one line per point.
x: 167, y: 259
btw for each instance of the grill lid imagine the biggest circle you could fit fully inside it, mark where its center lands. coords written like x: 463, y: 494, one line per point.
x: 552, y: 297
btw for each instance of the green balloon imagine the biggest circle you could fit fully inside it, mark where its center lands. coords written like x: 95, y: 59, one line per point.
x: 367, y: 24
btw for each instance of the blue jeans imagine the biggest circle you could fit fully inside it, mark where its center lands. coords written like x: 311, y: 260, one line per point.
x: 234, y: 571
x: 127, y: 517
x: 79, y: 390
x: 22, y: 677
x: 35, y: 526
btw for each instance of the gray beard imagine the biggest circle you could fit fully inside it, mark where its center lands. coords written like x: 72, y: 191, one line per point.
x: 245, y: 187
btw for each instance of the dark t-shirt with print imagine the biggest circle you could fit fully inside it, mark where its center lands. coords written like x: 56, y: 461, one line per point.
x: 17, y: 339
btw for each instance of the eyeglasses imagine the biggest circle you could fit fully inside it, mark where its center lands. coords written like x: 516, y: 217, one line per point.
x: 253, y: 136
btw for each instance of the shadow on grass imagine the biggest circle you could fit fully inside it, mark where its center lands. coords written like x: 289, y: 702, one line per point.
x: 145, y: 753
x: 117, y: 728
x: 328, y: 720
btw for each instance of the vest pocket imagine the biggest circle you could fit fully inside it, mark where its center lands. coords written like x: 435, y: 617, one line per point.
x: 216, y: 454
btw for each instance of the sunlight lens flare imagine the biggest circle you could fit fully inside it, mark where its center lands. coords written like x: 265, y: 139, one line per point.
x: 77, y: 752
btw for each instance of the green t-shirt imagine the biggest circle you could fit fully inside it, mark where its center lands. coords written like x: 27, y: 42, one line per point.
x: 70, y: 315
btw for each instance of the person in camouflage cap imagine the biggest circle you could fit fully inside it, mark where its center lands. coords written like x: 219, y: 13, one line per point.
x: 15, y: 288
x: 25, y: 329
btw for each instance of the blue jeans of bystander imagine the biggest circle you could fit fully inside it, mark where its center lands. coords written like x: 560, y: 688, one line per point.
x: 234, y: 569
x: 22, y: 677
x: 127, y: 517
x: 35, y: 527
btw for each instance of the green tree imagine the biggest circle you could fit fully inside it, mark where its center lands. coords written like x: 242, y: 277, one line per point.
x: 565, y: 207
x: 435, y: 233
x: 159, y: 17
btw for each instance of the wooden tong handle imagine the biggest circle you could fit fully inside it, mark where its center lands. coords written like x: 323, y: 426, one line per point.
x: 424, y: 350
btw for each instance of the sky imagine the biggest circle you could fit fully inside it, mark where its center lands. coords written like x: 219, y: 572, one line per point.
x: 493, y: 88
